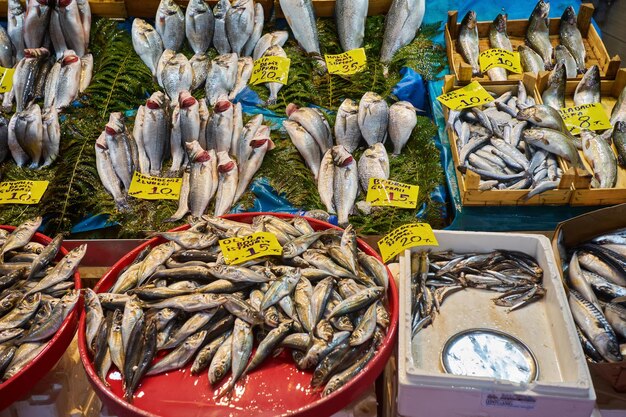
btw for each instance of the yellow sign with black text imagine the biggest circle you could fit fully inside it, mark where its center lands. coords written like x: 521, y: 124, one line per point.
x: 6, y: 79
x: 238, y: 250
x: 348, y: 63
x: 22, y: 192
x: 585, y: 116
x: 270, y: 69
x: 145, y: 187
x: 405, y: 237
x: 387, y: 193
x: 500, y: 58
x: 471, y: 95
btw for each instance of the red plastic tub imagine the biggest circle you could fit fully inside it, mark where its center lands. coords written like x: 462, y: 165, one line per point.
x: 17, y: 387
x: 276, y: 388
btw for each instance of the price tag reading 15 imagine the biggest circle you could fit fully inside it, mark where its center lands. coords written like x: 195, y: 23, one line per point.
x: 471, y: 95
x: 270, y: 69
x: 154, y: 188
x: 238, y: 250
x: 405, y: 237
x: 387, y: 193
x: 22, y: 192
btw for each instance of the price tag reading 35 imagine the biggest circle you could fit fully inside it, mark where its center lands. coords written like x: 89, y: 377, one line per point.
x: 405, y: 237
x: 154, y: 188
x: 387, y: 193
x: 585, y: 116
x: 22, y: 192
x: 6, y: 79
x: 238, y: 250
x: 471, y: 95
x: 500, y: 58
x: 348, y: 63
x: 270, y: 69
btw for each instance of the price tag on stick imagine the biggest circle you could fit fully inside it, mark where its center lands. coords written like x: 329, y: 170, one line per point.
x: 585, y: 116
x: 471, y: 95
x: 270, y: 69
x: 405, y: 237
x: 238, y: 250
x: 348, y: 63
x: 154, y: 188
x: 387, y: 193
x: 500, y: 58
x: 22, y: 192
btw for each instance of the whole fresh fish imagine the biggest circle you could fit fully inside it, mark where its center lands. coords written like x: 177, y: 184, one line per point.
x: 24, y: 354
x: 119, y: 146
x: 45, y: 329
x: 68, y: 84
x: 199, y: 26
x: 571, y: 37
x: 402, y: 121
x: 275, y: 50
x: 227, y: 183
x: 170, y: 25
x: 62, y: 271
x: 619, y: 141
x: 374, y: 163
x: 109, y: 178
x: 147, y: 43
x: 189, y: 114
x: 588, y: 89
x: 241, y: 348
x: 600, y: 156
x: 220, y: 127
x: 340, y: 379
x: 203, y: 178
x: 220, y: 37
x: 245, y: 66
x: 239, y: 24
x: 538, y: 35
x: 243, y: 149
x: 72, y: 26
x: 531, y: 61
x: 15, y: 27
x: 314, y: 122
x: 301, y: 19
x: 579, y: 282
x: 36, y: 23
x: 554, y: 94
x: 221, y: 77
x: 221, y: 363
x: 562, y: 54
x: 86, y: 72
x: 29, y: 133
x: 347, y: 130
x: 180, y: 356
x: 373, y: 118
x: 84, y: 10
x: 468, y: 41
x: 345, y: 183
x: 257, y: 30
x: 176, y: 76
x: 207, y: 353
x: 267, y: 41
x: 156, y: 130
x: 25, y: 76
x: 47, y: 255
x: 306, y: 145
x: 6, y: 49
x: 56, y: 34
x: 326, y: 180
x: 618, y: 114
x: 401, y: 25
x: 351, y: 17
x: 498, y: 38
x: 200, y: 67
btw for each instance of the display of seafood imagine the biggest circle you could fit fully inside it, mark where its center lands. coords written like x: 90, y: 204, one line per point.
x: 596, y: 277
x: 513, y: 143
x: 36, y: 294
x: 323, y: 299
x: 434, y: 276
x: 538, y: 53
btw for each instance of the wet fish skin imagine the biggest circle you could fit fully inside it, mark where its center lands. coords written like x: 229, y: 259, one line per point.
x: 554, y: 94
x: 6, y: 49
x: 176, y: 76
x: 274, y: 50
x: 325, y: 181
x: 245, y: 67
x: 351, y: 17
x: 220, y: 38
x: 257, y: 30
x: 468, y: 41
x: 306, y: 145
x: 268, y: 40
x: 115, y: 341
x: 51, y: 139
x: 301, y: 19
x: 619, y: 141
x: 29, y: 133
x: 203, y: 180
x: 401, y: 25
x: 588, y: 89
x: 402, y: 121
x: 537, y: 35
x: 530, y: 60
x: 199, y: 26
x: 373, y: 118
x: 358, y: 301
x: 228, y: 180
x: 314, y: 122
x: 180, y: 356
x: 342, y: 378
x: 345, y: 183
x: 72, y: 27
x: 15, y: 27
x: 109, y: 178
x: 554, y: 142
x: 220, y: 127
x: 239, y: 24
x: 147, y: 43
x: 23, y: 312
x: 170, y: 25
x: 45, y: 329
x: 20, y: 236
x: 347, y: 130
x: 600, y: 156
x: 374, y: 163
x: 207, y: 353
x: 571, y: 37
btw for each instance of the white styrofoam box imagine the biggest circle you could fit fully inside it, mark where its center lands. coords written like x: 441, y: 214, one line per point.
x: 563, y: 386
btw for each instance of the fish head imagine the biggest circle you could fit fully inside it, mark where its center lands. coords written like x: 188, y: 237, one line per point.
x: 531, y: 114
x: 220, y: 9
x: 371, y: 98
x: 64, y: 3
x: 341, y: 156
x: 499, y: 23
x: 569, y: 15
x: 349, y: 106
x: 620, y: 127
x: 186, y: 100
x: 541, y: 10
x: 533, y: 134
x: 275, y: 50
x: 69, y: 60
x: 591, y: 79
x: 32, y: 300
x: 222, y: 105
x: 469, y: 20
x: 291, y: 108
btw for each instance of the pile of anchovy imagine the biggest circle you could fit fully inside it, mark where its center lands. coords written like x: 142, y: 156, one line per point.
x: 434, y: 276
x: 47, y: 46
x: 513, y: 143
x: 597, y: 293
x: 323, y: 299
x: 36, y: 294
x: 537, y: 54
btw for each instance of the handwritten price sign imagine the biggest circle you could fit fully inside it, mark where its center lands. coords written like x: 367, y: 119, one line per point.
x: 387, y: 193
x: 145, y: 187
x: 405, y: 237
x: 471, y: 95
x: 270, y: 69
x: 238, y: 250
x: 500, y: 58
x: 348, y: 63
x: 585, y: 116
x: 6, y: 79
x: 22, y: 192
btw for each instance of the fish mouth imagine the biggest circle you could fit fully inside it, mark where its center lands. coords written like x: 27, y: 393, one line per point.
x: 70, y: 59
x: 227, y: 167
x: 152, y: 104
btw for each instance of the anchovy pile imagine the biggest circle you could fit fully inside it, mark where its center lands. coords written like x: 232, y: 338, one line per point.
x: 538, y: 53
x: 597, y: 292
x: 513, y: 143
x: 434, y: 276
x: 36, y: 295
x: 323, y: 299
x: 32, y: 136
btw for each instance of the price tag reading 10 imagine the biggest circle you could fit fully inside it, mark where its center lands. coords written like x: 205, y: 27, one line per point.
x: 500, y: 58
x: 471, y: 95
x: 405, y: 237
x: 22, y: 192
x: 154, y: 188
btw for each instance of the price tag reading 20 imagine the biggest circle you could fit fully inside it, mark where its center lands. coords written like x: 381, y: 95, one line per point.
x: 405, y: 237
x: 238, y: 250
x: 471, y: 95
x: 500, y: 58
x: 270, y: 69
x: 154, y: 188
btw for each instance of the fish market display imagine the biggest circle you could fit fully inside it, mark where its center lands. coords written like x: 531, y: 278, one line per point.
x: 36, y: 295
x: 435, y: 276
x: 401, y: 25
x: 323, y: 300
x: 513, y: 143
x: 219, y: 152
x: 597, y: 289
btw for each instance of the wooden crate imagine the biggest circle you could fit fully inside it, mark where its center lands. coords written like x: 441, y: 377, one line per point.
x: 596, y: 51
x: 583, y: 194
x: 469, y: 182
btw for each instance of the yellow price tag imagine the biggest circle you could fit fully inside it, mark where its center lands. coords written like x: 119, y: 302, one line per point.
x: 585, y: 116
x: 238, y: 250
x: 6, y: 79
x: 348, y: 63
x: 471, y: 95
x: 500, y: 58
x: 387, y: 193
x: 22, y: 192
x: 154, y: 188
x: 405, y: 237
x: 270, y: 69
